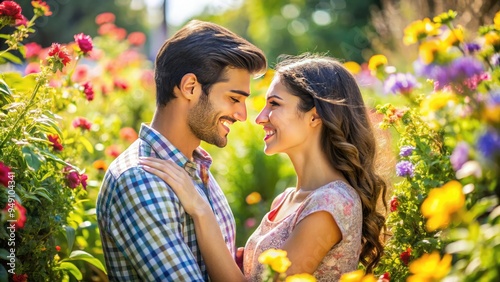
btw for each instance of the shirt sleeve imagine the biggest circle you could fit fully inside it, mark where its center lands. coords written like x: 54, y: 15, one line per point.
x: 146, y: 224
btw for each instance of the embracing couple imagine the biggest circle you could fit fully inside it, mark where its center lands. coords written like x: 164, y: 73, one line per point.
x: 163, y: 217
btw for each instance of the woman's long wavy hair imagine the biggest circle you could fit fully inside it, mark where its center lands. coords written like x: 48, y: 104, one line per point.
x: 347, y: 136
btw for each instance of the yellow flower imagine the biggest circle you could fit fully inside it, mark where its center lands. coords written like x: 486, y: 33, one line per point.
x: 436, y: 102
x: 304, y: 277
x: 276, y: 259
x: 377, y: 61
x: 419, y: 30
x: 492, y: 38
x: 253, y: 198
x: 454, y: 37
x: 429, y: 49
x: 441, y: 204
x: 357, y: 276
x: 492, y: 114
x: 430, y: 267
x: 353, y: 67
x: 496, y: 20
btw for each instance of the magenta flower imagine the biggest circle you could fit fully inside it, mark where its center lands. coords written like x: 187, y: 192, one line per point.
x: 88, y: 91
x: 82, y: 123
x: 83, y: 180
x: 84, y: 42
x: 10, y: 12
x: 56, y: 143
x: 73, y: 179
x: 4, y: 174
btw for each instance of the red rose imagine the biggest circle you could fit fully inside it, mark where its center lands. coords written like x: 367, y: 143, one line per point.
x: 394, y: 203
x: 405, y: 256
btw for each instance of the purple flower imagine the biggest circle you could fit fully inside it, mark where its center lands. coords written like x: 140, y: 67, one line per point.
x: 489, y: 143
x: 460, y: 155
x: 400, y: 82
x: 472, y: 47
x: 495, y: 60
x: 405, y: 168
x: 406, y: 151
x: 463, y: 68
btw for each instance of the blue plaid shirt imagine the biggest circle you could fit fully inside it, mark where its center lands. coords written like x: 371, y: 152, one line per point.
x: 146, y: 234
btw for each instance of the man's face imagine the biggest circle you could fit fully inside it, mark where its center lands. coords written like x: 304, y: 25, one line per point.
x: 210, y: 119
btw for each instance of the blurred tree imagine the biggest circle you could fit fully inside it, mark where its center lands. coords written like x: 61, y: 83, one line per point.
x: 292, y: 27
x: 72, y: 17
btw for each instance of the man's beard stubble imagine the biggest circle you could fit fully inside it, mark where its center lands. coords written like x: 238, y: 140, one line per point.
x: 203, y: 122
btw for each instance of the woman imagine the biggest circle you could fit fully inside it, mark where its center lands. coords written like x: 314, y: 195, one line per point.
x: 327, y: 223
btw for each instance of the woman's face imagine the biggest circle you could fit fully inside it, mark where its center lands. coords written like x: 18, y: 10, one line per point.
x: 286, y: 129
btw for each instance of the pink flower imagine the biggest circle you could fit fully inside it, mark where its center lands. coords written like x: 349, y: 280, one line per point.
x: 32, y: 49
x: 73, y: 179
x: 32, y: 67
x: 82, y: 123
x: 250, y: 222
x: 394, y: 203
x: 120, y: 84
x: 81, y: 73
x: 4, y: 174
x: 128, y: 134
x: 23, y: 21
x: 17, y: 212
x: 83, y: 181
x: 54, y: 139
x: 105, y: 18
x: 405, y: 256
x: 136, y: 38
x: 84, y: 42
x: 88, y: 91
x: 113, y: 151
x: 10, y: 11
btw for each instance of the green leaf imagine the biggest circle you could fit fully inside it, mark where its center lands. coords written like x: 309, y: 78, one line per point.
x: 70, y: 236
x: 82, y: 255
x: 4, y: 277
x: 48, y: 125
x: 86, y: 143
x: 11, y: 58
x: 71, y: 268
x: 33, y: 160
x: 3, y: 254
x: 43, y: 192
x: 52, y: 157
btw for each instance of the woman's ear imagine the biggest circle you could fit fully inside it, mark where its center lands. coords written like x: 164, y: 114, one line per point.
x: 189, y: 86
x: 315, y: 119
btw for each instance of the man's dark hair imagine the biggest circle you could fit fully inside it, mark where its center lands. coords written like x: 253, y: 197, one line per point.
x: 206, y: 50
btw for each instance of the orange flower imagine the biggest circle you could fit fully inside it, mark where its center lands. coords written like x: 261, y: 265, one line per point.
x: 128, y: 134
x: 253, y: 198
x: 100, y: 165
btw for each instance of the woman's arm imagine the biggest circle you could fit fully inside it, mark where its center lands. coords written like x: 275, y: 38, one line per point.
x: 219, y: 261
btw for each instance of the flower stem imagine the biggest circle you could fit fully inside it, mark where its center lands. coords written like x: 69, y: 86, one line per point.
x: 21, y: 116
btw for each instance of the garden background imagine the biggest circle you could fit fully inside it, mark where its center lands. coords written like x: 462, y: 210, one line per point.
x: 429, y: 75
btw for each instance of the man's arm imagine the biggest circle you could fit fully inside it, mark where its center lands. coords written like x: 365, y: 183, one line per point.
x: 146, y: 224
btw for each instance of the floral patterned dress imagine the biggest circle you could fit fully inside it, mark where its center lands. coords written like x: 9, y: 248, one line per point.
x: 337, y: 198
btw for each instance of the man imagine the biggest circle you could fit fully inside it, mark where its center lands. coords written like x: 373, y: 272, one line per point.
x: 202, y: 76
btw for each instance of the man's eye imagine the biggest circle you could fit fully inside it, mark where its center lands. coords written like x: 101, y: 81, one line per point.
x: 274, y: 103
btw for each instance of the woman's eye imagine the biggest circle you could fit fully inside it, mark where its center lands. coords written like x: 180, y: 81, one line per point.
x: 235, y: 100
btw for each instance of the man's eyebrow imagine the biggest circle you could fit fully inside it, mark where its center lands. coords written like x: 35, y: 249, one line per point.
x: 241, y: 92
x: 274, y: 96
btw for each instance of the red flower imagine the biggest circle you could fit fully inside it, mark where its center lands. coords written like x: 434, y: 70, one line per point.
x: 88, y: 91
x: 32, y: 49
x: 83, y: 180
x: 58, y: 248
x: 20, y: 277
x: 119, y: 33
x: 128, y: 134
x: 4, y: 174
x: 60, y: 56
x: 23, y: 21
x: 136, y: 38
x: 112, y: 151
x: 405, y: 256
x: 54, y: 139
x: 106, y: 28
x: 10, y: 11
x: 17, y: 212
x: 105, y: 18
x: 120, y: 84
x: 72, y: 178
x: 386, y: 277
x: 84, y: 42
x: 394, y: 203
x: 41, y: 8
x: 82, y: 123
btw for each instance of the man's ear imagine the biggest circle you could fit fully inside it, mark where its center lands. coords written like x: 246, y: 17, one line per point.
x: 189, y: 86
